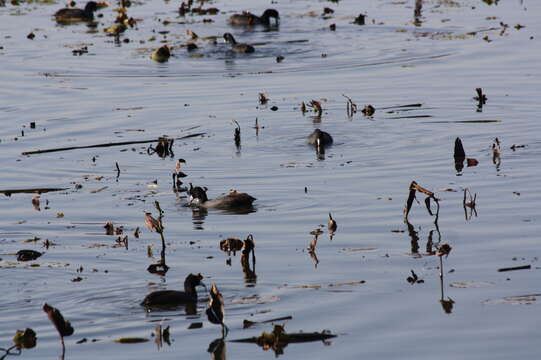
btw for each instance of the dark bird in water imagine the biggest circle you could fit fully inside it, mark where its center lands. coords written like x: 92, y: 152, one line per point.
x: 320, y: 139
x: 68, y: 15
x: 249, y: 19
x: 215, y: 309
x: 161, y: 54
x: 331, y: 225
x: 171, y: 298
x: 234, y: 200
x: 238, y: 47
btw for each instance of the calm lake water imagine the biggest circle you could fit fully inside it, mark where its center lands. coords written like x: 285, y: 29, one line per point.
x: 358, y: 290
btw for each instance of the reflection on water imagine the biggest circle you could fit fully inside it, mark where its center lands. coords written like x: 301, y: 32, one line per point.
x: 217, y: 349
x: 447, y: 305
x: 199, y: 215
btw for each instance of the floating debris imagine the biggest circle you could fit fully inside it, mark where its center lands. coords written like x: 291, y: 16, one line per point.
x: 351, y: 107
x: 25, y: 339
x: 35, y: 203
x: 278, y: 339
x: 524, y: 267
x: 368, y: 110
x: 414, y: 279
x: 444, y: 250
x: 263, y: 98
x: 480, y: 98
x: 360, y: 20
x: 236, y: 135
x: 430, y: 196
x: 231, y: 245
x: 130, y: 340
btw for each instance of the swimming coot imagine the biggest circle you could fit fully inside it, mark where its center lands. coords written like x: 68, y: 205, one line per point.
x: 249, y: 19
x: 68, y: 15
x: 161, y: 54
x: 320, y: 139
x: 234, y: 200
x: 171, y: 298
x: 238, y: 47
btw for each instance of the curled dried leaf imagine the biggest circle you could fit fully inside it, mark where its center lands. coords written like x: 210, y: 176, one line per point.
x: 63, y: 326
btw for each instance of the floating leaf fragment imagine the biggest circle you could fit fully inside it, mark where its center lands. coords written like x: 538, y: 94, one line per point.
x: 130, y: 340
x: 278, y: 339
x: 63, y: 326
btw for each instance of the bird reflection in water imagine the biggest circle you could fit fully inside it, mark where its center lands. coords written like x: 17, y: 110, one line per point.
x: 414, y: 235
x: 217, y: 349
x: 250, y: 277
x: 198, y: 217
x: 443, y: 250
x: 232, y: 245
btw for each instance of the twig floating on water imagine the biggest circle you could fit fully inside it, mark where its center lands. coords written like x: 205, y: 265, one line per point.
x: 8, y: 192
x: 524, y: 267
x: 105, y: 145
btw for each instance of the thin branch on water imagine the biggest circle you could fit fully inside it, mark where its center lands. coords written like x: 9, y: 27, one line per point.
x: 106, y: 145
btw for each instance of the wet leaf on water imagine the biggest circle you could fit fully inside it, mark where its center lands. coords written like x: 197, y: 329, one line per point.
x: 444, y: 249
x: 59, y: 215
x: 368, y: 110
x: 231, y: 245
x: 109, y: 228
x: 130, y: 340
x: 63, y: 326
x: 36, y: 203
x: 427, y: 204
x: 472, y: 162
x: 25, y: 339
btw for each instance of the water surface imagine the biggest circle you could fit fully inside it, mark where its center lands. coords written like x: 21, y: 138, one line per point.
x: 116, y: 93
